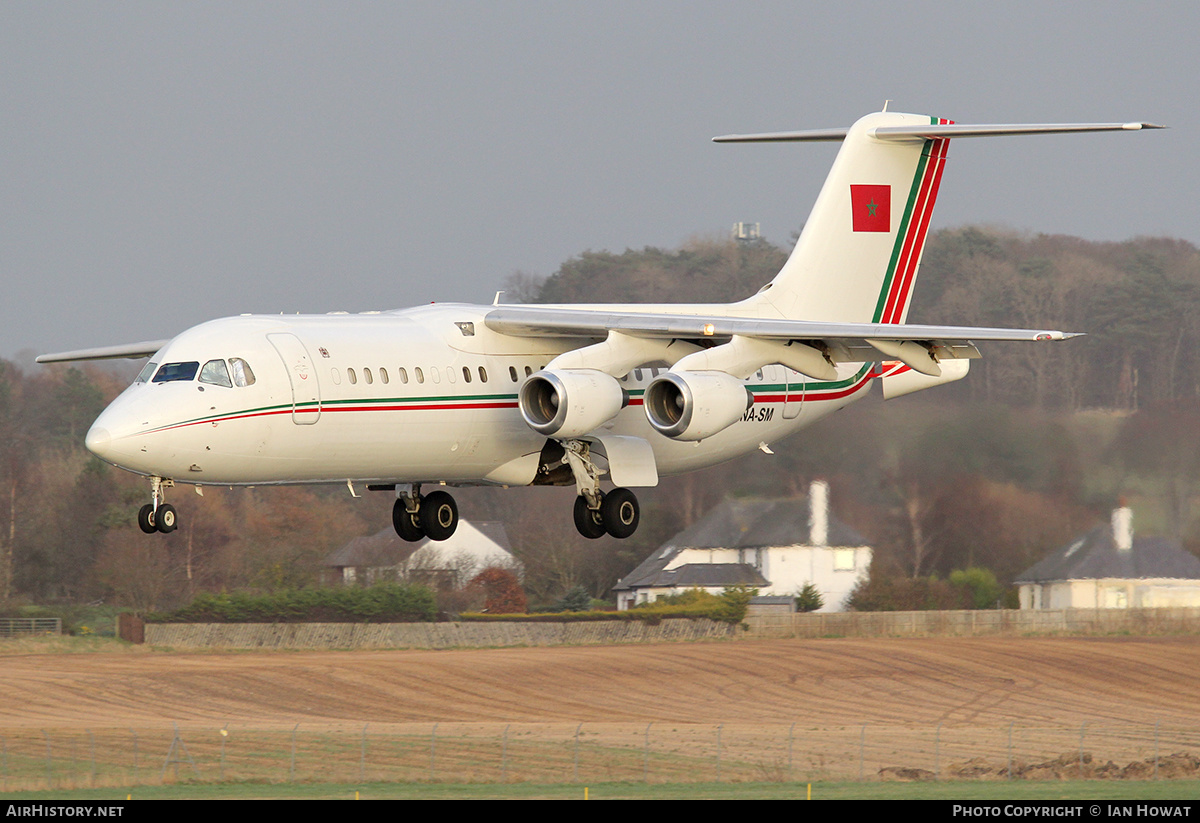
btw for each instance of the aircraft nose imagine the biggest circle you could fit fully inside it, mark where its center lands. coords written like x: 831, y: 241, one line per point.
x: 97, y: 440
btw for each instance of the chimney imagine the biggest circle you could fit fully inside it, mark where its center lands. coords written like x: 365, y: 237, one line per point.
x: 1122, y: 528
x: 818, y: 513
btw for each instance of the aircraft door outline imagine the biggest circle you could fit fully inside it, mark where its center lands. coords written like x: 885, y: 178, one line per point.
x: 306, y: 390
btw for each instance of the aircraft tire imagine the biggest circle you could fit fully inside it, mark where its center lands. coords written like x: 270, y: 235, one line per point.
x: 165, y: 519
x: 405, y: 524
x: 620, y: 513
x: 439, y: 515
x: 587, y: 522
x: 146, y: 519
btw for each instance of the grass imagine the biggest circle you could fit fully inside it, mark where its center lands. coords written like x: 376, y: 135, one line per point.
x: 945, y: 790
x: 62, y: 644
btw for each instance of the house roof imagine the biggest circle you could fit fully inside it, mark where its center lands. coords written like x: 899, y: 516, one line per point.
x: 739, y: 524
x: 704, y: 575
x: 757, y: 523
x: 1095, y: 555
x: 385, y: 548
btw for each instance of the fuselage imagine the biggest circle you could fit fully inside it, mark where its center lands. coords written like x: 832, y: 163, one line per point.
x: 426, y: 394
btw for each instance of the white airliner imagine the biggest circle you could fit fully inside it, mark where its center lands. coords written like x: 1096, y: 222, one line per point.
x: 458, y: 395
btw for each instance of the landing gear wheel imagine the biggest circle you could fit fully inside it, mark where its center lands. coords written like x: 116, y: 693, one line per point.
x: 146, y: 519
x: 165, y: 518
x: 439, y: 515
x: 588, y: 522
x: 405, y: 523
x: 620, y: 512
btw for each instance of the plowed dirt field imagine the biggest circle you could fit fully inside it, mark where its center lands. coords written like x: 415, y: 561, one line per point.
x: 835, y: 682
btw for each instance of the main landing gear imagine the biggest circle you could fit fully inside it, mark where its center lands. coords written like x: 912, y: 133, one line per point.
x: 596, y: 514
x: 158, y: 515
x: 416, y: 516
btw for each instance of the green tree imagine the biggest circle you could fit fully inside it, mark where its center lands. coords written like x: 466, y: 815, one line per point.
x: 809, y: 599
x: 981, y: 584
x: 576, y: 600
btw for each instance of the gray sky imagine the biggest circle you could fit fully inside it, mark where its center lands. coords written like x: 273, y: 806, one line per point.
x: 167, y: 163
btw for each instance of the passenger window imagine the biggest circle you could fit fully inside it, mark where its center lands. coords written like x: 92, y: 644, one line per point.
x: 482, y: 374
x: 512, y: 372
x: 420, y: 374
x: 383, y: 377
x: 337, y: 377
x: 450, y: 374
x: 403, y: 374
x: 172, y: 372
x: 216, y: 374
x: 434, y: 374
x: 367, y: 376
x: 149, y: 368
x: 637, y: 374
x: 242, y: 376
x: 353, y: 377
x: 528, y: 371
x: 466, y: 374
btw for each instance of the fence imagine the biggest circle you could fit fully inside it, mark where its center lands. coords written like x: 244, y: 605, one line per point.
x: 982, y: 623
x: 15, y: 626
x: 995, y: 622
x: 427, y: 635
x: 564, y: 753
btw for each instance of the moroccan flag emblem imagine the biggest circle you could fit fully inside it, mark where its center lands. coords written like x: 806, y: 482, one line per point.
x: 871, y: 207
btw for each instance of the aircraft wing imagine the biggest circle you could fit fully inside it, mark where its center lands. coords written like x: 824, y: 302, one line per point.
x: 535, y: 321
x: 772, y: 340
x: 131, y: 351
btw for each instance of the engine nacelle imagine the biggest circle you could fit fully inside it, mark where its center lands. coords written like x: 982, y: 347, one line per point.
x: 570, y: 402
x: 693, y: 405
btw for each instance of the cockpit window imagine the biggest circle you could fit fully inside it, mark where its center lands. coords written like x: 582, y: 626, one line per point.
x: 145, y: 373
x: 170, y: 372
x: 214, y: 372
x: 242, y: 376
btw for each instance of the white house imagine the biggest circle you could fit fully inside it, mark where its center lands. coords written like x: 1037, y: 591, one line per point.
x: 1109, y: 568
x: 473, y: 547
x: 776, y: 546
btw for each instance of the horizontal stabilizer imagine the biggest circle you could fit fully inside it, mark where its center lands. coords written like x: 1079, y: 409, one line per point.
x: 906, y: 133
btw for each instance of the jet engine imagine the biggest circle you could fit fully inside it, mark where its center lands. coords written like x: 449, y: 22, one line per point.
x: 570, y: 402
x: 693, y: 405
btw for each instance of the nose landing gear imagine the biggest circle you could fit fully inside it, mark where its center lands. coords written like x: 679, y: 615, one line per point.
x: 158, y: 515
x: 416, y: 516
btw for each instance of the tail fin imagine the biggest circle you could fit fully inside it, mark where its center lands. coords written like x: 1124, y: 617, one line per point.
x: 857, y: 257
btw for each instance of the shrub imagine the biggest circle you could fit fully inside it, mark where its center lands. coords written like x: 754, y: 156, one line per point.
x: 809, y: 599
x: 904, y: 594
x: 576, y: 600
x: 502, y: 591
x: 381, y: 603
